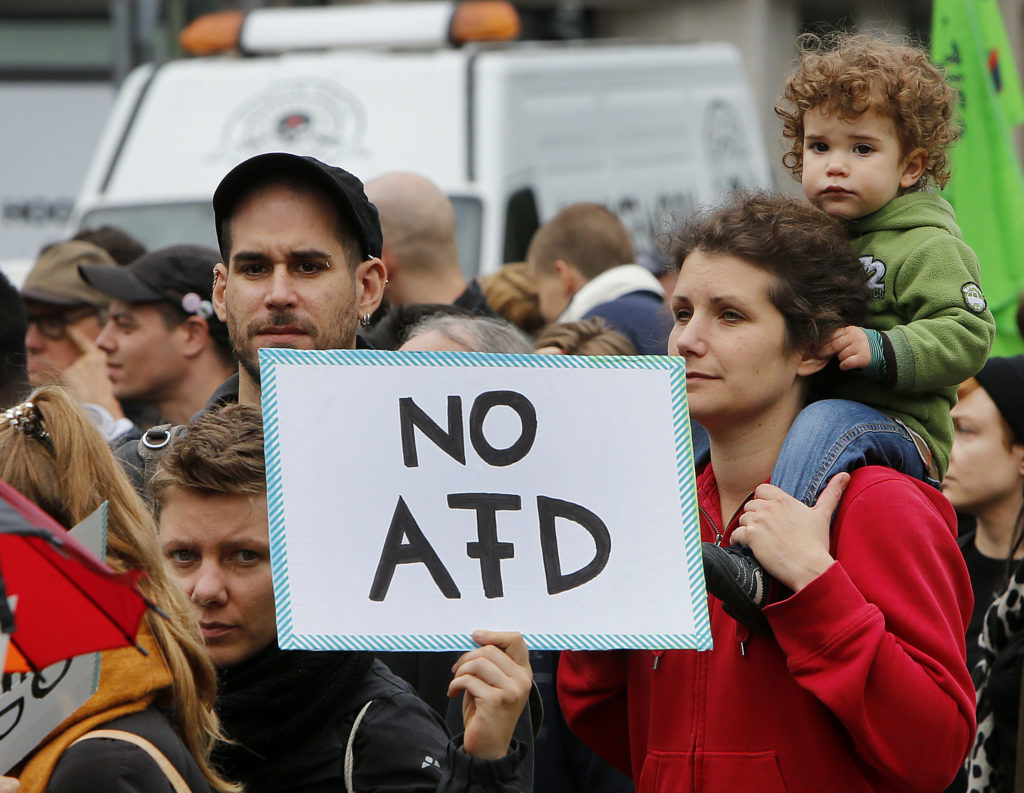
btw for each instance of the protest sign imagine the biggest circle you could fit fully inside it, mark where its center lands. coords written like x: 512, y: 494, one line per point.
x: 33, y: 704
x: 415, y: 497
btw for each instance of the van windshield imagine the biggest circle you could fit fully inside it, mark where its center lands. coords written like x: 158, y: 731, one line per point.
x: 159, y: 225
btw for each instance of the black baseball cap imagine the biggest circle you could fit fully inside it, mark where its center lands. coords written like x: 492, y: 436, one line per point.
x: 345, y: 189
x: 181, y: 275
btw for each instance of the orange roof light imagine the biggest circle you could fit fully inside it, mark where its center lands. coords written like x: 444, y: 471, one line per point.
x: 212, y: 33
x: 409, y: 24
x: 485, y: 20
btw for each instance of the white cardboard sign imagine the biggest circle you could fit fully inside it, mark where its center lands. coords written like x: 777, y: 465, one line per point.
x: 32, y: 705
x: 415, y: 497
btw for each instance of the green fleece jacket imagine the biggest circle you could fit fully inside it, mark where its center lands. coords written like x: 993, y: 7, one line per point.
x: 926, y: 302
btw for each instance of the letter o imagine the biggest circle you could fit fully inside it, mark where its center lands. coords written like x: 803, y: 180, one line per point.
x: 527, y: 416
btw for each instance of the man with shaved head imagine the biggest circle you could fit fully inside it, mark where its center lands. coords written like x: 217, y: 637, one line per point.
x: 420, y: 251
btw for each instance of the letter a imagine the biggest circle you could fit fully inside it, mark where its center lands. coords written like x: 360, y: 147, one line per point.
x: 417, y: 549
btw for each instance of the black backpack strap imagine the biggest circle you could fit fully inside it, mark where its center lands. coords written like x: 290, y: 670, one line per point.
x: 151, y: 447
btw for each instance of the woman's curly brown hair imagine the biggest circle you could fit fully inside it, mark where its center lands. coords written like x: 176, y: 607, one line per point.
x: 850, y: 74
x: 819, y: 281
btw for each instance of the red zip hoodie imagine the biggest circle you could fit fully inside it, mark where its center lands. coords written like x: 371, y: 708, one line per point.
x: 864, y: 686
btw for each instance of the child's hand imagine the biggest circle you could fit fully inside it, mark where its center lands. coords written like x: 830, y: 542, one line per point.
x: 850, y: 345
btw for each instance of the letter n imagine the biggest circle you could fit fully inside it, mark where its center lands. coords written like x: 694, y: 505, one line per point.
x: 452, y: 442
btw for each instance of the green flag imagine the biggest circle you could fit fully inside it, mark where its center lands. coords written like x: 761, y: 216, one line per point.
x: 987, y: 188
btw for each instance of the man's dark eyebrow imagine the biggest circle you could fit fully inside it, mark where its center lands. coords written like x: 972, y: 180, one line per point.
x: 248, y: 256
x: 304, y: 253
x: 310, y: 253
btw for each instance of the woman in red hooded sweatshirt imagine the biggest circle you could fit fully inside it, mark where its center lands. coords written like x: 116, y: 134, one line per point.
x: 859, y: 683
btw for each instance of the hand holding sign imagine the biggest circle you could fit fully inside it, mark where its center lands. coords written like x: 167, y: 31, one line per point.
x: 496, y: 681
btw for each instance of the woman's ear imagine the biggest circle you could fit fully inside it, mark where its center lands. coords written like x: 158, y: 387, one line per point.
x: 813, y: 360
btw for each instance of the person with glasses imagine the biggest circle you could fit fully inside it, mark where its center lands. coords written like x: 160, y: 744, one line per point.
x: 59, y: 306
x: 64, y: 316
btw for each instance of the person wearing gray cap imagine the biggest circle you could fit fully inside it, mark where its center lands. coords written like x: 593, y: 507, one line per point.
x: 62, y: 310
x: 164, y: 345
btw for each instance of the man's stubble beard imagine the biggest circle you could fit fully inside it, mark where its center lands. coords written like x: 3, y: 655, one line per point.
x: 340, y: 335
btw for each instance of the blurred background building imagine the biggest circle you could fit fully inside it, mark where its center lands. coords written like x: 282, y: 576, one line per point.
x: 61, y: 61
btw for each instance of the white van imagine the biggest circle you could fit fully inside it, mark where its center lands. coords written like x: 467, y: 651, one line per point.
x: 511, y: 131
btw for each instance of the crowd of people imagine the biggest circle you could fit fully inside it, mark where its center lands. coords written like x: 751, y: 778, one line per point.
x: 847, y: 419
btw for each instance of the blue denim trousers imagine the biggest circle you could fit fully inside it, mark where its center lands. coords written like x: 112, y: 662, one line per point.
x: 835, y: 435
x: 831, y: 436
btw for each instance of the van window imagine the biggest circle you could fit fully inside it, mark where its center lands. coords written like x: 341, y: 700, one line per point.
x: 521, y: 221
x: 468, y: 233
x: 159, y: 225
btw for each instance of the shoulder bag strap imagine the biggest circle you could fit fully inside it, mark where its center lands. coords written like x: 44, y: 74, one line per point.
x: 349, y: 759
x: 175, y: 778
x: 152, y: 445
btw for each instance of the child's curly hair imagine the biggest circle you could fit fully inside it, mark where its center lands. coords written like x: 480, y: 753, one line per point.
x: 849, y: 74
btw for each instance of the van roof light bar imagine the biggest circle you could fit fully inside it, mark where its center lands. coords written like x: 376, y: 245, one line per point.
x: 410, y: 24
x: 212, y: 33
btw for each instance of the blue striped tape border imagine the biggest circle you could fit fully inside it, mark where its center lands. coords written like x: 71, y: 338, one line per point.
x: 688, y: 509
x: 275, y: 500
x: 535, y: 641
x: 270, y: 358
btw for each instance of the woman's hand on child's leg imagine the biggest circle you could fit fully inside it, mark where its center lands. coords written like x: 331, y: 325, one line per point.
x: 790, y: 539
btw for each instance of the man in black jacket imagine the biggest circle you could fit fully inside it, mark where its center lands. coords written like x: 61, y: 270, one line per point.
x: 301, y: 268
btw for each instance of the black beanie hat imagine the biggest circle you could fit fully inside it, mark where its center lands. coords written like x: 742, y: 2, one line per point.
x: 1003, y: 379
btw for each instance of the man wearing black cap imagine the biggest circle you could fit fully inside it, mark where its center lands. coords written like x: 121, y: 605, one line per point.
x: 301, y: 269
x: 164, y: 345
x: 301, y: 261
